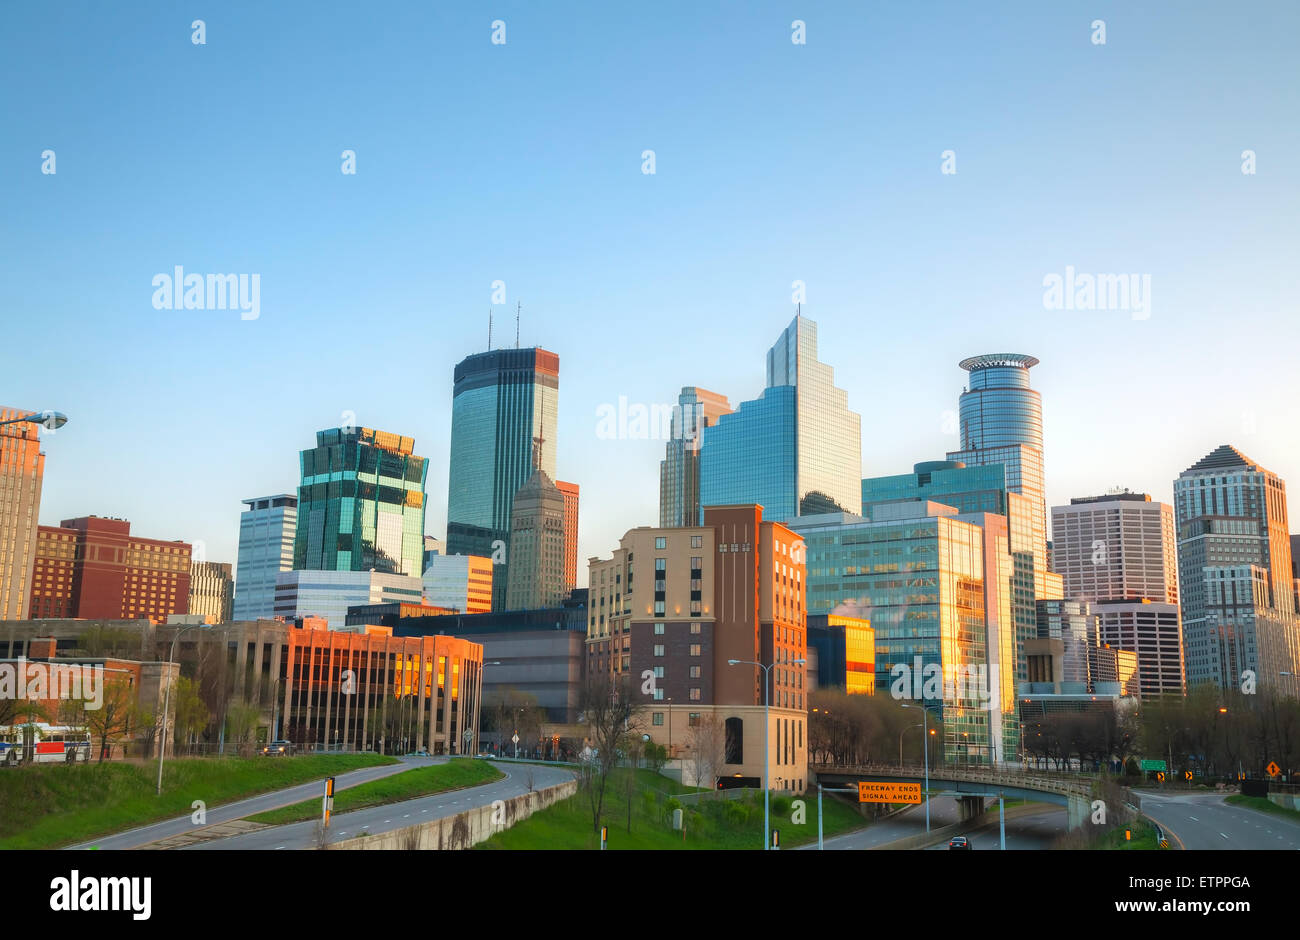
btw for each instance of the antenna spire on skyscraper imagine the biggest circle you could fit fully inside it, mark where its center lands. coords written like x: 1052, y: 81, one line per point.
x: 489, y: 329
x: 518, y: 305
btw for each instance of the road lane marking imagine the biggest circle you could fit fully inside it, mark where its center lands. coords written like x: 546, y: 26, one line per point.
x: 1193, y: 819
x: 1227, y: 837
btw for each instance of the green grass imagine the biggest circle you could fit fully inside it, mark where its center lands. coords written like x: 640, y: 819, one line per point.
x: 46, y: 806
x: 710, y: 824
x: 1264, y: 806
x: 1144, y: 839
x: 410, y: 784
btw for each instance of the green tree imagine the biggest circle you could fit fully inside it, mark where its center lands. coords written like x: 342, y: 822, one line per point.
x: 112, y: 721
x: 191, y: 715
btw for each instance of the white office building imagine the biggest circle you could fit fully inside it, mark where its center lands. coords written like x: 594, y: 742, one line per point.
x: 266, y: 531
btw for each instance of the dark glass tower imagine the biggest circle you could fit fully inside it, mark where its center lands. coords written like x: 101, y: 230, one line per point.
x: 361, y: 503
x: 503, y: 401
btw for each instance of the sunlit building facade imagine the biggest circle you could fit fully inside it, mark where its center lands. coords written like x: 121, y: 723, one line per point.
x: 361, y: 504
x: 679, y: 471
x: 22, y: 468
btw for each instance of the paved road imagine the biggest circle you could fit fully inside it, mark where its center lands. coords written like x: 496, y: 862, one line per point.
x: 1032, y: 832
x: 135, y: 838
x: 1204, y: 821
x: 1025, y: 833
x: 379, y: 819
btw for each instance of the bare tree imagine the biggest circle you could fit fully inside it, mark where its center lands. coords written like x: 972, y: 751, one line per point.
x: 708, y: 749
x: 611, y: 714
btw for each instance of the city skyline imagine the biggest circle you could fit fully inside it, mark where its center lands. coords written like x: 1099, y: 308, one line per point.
x: 815, y: 164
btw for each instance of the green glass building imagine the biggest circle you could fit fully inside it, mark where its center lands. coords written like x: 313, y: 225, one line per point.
x: 361, y: 503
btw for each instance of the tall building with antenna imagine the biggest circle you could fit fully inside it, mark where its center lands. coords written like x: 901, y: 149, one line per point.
x: 502, y: 401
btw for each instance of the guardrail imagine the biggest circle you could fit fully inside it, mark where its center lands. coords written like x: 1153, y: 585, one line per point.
x: 1068, y: 786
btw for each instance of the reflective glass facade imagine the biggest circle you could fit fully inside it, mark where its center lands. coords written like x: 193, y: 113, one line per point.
x: 267, y: 529
x: 502, y: 401
x: 795, y: 450
x: 919, y: 581
x: 361, y: 504
x: 679, y: 472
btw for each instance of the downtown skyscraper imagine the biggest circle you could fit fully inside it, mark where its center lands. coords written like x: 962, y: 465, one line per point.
x: 503, y: 402
x: 1235, y: 572
x: 267, y: 529
x: 679, y: 471
x: 361, y: 504
x: 797, y: 448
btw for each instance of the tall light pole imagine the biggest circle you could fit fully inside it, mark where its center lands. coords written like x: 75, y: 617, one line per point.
x: 167, y: 701
x: 925, y: 712
x: 767, y: 732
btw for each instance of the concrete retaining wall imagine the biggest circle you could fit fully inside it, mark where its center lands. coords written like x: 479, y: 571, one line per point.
x: 464, y: 829
x: 1285, y: 800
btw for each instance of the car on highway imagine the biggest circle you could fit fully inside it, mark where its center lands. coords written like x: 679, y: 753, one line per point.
x: 959, y: 842
x: 277, y: 749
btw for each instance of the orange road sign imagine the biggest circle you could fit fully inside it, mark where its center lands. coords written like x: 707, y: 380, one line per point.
x: 1160, y: 777
x: 1273, y: 769
x: 1187, y: 775
x: 889, y: 792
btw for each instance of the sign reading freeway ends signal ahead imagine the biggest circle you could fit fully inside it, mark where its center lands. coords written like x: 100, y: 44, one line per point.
x: 889, y: 792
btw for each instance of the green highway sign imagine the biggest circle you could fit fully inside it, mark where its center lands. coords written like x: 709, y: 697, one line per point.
x: 1153, y: 765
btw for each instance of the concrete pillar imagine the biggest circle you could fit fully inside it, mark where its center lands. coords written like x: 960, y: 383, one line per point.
x: 968, y: 807
x: 1078, y: 810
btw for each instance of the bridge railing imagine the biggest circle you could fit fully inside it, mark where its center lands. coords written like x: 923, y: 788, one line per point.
x: 1072, y: 785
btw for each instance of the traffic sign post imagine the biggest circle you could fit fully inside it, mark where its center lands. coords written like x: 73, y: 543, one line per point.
x: 327, y: 804
x: 515, y: 738
x: 604, y: 837
x: 1273, y: 769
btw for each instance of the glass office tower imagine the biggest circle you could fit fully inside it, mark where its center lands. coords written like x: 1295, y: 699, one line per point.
x: 797, y: 449
x: 1234, y: 567
x: 917, y: 573
x: 267, y: 529
x: 1001, y: 421
x: 361, y: 504
x: 503, y: 402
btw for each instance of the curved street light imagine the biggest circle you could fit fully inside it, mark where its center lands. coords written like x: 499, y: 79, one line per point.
x: 50, y: 420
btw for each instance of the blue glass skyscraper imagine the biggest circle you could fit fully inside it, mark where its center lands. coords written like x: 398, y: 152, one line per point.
x: 797, y: 448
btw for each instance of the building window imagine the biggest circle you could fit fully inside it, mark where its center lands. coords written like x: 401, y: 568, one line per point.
x: 659, y: 672
x: 659, y: 719
x: 659, y: 695
x: 661, y: 542
x: 659, y: 649
x: 695, y: 649
x: 693, y: 719
x: 659, y: 608
x: 697, y: 541
x: 659, y: 629
x: 695, y: 695
x: 695, y: 672
x: 695, y: 628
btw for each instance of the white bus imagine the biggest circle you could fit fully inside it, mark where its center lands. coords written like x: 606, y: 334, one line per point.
x: 51, y: 744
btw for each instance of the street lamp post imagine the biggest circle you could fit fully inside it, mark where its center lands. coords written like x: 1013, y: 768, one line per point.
x: 167, y: 701
x: 767, y: 732
x: 925, y: 712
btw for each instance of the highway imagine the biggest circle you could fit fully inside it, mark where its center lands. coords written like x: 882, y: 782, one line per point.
x: 379, y: 819
x: 135, y: 838
x: 1032, y: 832
x: 1204, y: 821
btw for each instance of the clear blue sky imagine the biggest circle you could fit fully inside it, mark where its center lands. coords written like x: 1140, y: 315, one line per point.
x: 522, y: 162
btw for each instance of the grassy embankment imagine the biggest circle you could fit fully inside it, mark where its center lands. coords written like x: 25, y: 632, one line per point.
x: 713, y: 823
x: 47, y: 806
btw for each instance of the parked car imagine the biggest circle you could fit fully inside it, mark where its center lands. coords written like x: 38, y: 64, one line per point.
x: 277, y: 749
x: 959, y: 842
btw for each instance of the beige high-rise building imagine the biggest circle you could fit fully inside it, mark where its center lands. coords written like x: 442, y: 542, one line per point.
x: 1117, y: 546
x: 679, y: 471
x: 535, y: 575
x: 212, y: 591
x: 22, y: 467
